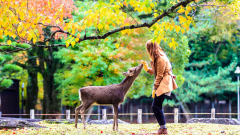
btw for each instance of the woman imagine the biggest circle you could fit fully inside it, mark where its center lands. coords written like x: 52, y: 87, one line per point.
x: 164, y: 81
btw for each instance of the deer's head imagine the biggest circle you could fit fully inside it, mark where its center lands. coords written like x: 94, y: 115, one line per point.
x: 135, y: 71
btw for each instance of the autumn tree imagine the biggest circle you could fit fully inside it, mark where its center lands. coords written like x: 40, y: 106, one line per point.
x: 26, y: 21
x: 214, y: 52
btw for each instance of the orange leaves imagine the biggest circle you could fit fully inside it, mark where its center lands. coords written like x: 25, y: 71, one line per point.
x: 125, y: 3
x: 22, y: 17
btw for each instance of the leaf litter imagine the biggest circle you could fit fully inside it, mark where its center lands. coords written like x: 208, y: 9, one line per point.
x: 129, y: 129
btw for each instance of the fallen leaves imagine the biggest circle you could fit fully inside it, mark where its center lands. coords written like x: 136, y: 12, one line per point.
x: 126, y: 129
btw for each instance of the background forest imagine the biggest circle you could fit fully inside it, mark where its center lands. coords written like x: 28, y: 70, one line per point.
x: 204, y: 53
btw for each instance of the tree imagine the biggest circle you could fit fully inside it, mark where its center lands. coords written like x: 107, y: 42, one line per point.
x: 213, y: 46
x: 25, y: 24
x: 18, y: 16
x: 25, y: 21
x: 8, y: 71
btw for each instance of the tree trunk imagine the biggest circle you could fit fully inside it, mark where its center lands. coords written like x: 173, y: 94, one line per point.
x: 48, y: 66
x: 89, y: 112
x: 185, y: 110
x: 32, y: 85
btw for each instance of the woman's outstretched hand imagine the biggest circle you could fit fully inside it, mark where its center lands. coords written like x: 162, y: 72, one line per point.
x: 145, y: 65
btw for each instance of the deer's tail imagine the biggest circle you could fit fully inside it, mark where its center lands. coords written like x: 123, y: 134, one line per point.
x: 79, y: 92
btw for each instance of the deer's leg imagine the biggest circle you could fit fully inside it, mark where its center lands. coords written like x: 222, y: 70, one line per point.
x: 77, y: 111
x: 82, y: 111
x: 115, y: 106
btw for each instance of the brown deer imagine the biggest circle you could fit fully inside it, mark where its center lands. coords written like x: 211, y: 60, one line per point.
x: 106, y: 95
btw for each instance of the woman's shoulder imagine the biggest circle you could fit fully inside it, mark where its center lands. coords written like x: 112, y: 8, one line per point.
x: 161, y: 59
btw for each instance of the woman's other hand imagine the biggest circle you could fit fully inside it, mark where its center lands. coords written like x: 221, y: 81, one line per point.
x: 153, y: 93
x: 145, y: 65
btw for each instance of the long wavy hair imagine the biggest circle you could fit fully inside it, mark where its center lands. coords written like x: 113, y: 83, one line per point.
x: 154, y: 50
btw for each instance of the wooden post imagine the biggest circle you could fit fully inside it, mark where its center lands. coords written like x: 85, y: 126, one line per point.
x: 32, y: 114
x: 213, y: 113
x: 122, y: 109
x: 195, y: 110
x: 139, y: 120
x: 230, y: 108
x: 179, y: 116
x: 146, y: 107
x: 131, y: 117
x: 175, y: 115
x: 98, y: 112
x: 67, y: 114
x: 104, y: 115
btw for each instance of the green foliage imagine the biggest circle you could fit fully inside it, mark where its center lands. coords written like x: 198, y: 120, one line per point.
x: 5, y: 83
x: 7, y: 70
x: 102, y: 62
x: 213, y: 46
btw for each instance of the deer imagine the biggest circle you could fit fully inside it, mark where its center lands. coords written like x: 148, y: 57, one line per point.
x: 106, y: 95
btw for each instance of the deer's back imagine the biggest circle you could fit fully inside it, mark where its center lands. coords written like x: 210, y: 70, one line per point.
x: 102, y: 94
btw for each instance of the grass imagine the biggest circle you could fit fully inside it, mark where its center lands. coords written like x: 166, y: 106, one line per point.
x: 126, y: 129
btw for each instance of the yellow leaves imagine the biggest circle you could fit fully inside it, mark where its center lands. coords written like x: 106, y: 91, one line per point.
x: 23, y: 4
x: 107, y: 27
x: 186, y: 13
x: 181, y: 10
x: 9, y: 42
x: 117, y: 45
x: 76, y: 39
x: 100, y: 26
x: 48, y: 20
x: 73, y: 43
x: 171, y: 26
x: 21, y: 14
x: 155, y: 14
x: 182, y: 19
x: 34, y: 40
x: 188, y: 8
x: 149, y: 9
x: 67, y: 44
x: 182, y: 30
x: 177, y: 28
x: 173, y: 44
x: 152, y: 5
x: 1, y: 32
x: 57, y: 21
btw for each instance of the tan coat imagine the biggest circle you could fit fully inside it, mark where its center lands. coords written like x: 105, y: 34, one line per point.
x: 164, y: 81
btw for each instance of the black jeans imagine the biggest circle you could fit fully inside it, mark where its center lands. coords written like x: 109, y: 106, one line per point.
x: 157, y: 108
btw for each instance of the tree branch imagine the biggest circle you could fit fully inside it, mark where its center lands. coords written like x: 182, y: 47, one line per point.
x: 182, y: 3
x: 33, y: 45
x: 206, y: 5
x: 148, y: 25
x: 50, y: 25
